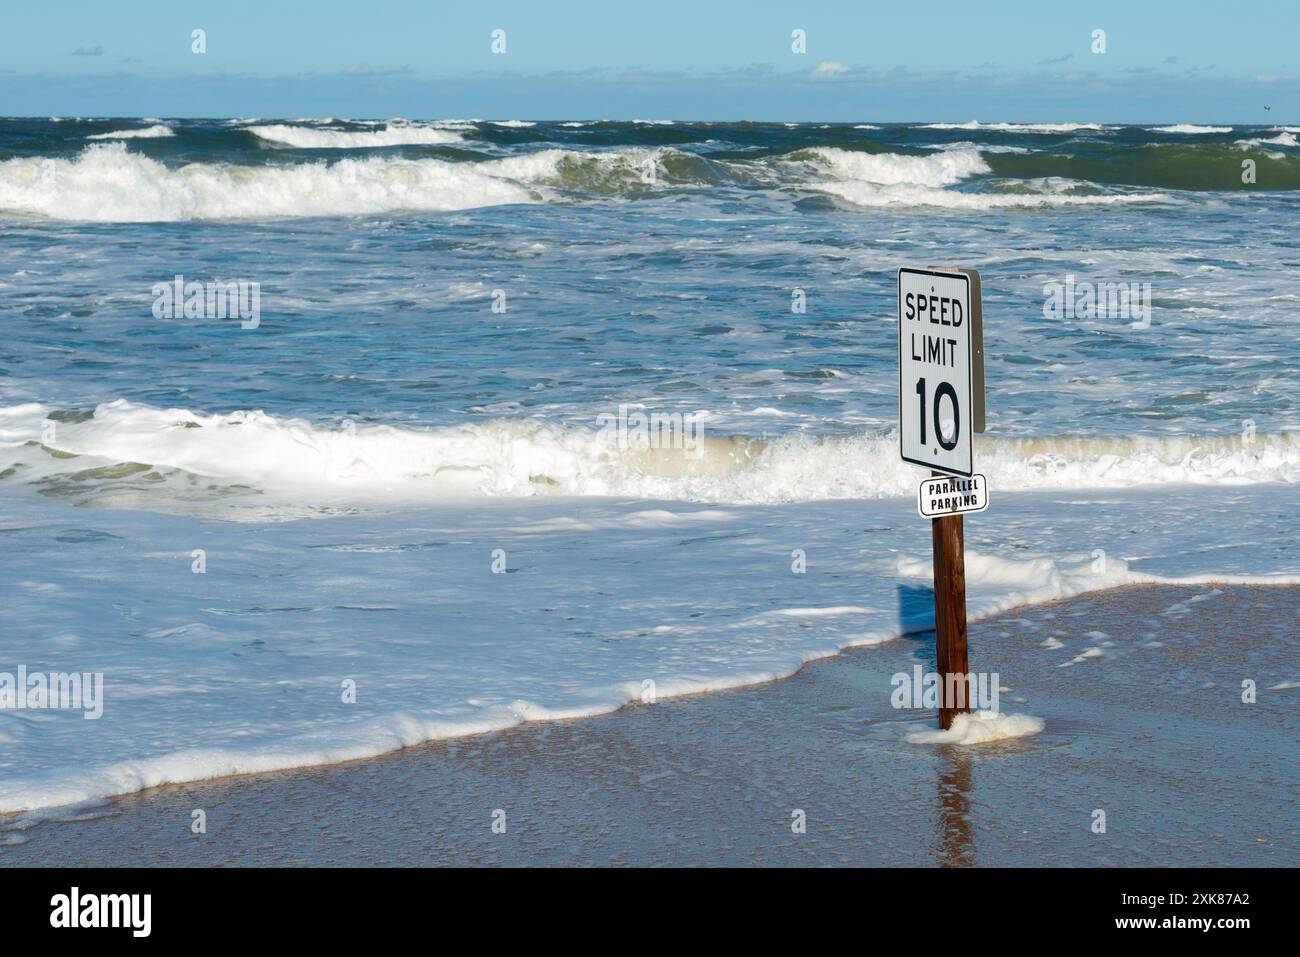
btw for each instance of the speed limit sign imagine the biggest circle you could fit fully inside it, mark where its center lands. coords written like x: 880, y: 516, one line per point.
x: 940, y: 367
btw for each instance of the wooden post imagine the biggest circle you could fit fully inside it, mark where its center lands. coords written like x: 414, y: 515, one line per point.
x: 950, y: 615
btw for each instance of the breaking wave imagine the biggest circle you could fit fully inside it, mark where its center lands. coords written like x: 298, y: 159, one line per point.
x: 890, y: 179
x: 149, y: 132
x: 1191, y: 128
x: 891, y: 169
x: 395, y: 134
x: 1170, y: 166
x: 108, y: 184
x: 1285, y: 138
x: 1014, y: 127
x: 124, y: 449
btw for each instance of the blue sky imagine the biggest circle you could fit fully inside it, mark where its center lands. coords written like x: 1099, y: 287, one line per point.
x: 1190, y: 61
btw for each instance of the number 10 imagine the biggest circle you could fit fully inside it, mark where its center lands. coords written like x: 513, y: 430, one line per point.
x: 944, y: 388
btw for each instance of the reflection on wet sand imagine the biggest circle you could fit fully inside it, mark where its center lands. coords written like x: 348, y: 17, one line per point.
x: 957, y: 840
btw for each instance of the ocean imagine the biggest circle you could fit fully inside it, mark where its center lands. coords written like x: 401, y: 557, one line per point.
x: 519, y: 420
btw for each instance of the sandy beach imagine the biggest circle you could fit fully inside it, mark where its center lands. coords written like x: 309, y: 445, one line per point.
x: 1185, y: 772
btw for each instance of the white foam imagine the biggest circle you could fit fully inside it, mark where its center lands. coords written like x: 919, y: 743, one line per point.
x: 106, y: 183
x: 869, y: 195
x: 528, y: 458
x: 395, y: 134
x: 463, y: 126
x: 228, y: 673
x: 980, y: 727
x: 151, y: 132
x: 1282, y: 139
x: 980, y: 147
x: 118, y: 187
x: 1191, y: 128
x: 934, y: 169
x: 892, y: 179
x: 1014, y: 127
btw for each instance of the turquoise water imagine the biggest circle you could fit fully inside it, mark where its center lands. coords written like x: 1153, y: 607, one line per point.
x: 677, y: 294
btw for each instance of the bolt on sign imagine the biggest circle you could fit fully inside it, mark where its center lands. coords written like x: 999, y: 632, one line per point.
x: 940, y: 367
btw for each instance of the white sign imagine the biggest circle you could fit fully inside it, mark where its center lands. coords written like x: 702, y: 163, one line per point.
x: 952, y: 495
x: 940, y: 368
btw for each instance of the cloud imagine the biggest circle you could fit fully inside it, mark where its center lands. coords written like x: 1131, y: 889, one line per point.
x: 1056, y: 59
x: 89, y: 51
x: 365, y: 69
x: 757, y: 68
x: 830, y: 68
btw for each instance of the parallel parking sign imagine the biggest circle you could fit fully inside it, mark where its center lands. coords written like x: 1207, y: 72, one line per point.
x: 952, y: 495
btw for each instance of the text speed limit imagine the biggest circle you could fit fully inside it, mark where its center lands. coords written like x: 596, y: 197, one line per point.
x: 940, y: 363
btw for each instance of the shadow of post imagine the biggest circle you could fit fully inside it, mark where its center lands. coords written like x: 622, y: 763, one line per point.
x: 916, y: 619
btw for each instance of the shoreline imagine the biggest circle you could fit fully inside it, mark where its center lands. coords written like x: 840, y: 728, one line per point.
x: 699, y: 760
x: 741, y: 683
x: 430, y: 663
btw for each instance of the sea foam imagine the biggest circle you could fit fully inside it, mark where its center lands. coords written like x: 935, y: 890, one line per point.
x: 241, y: 669
x: 149, y: 132
x: 1014, y: 127
x: 303, y: 461
x: 107, y: 183
x: 1192, y: 128
x: 980, y: 727
x: 936, y: 169
x: 892, y: 179
x: 396, y: 134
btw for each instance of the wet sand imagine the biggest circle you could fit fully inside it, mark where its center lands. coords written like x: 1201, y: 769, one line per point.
x: 1140, y: 690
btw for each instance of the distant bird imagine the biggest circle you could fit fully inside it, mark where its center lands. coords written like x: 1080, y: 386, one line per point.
x: 1268, y: 107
